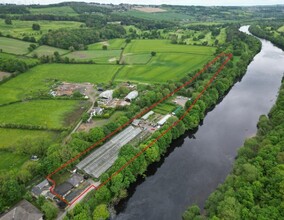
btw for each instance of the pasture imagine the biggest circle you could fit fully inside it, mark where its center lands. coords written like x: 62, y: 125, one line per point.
x: 163, y: 67
x: 10, y: 161
x: 9, y: 45
x: 47, y: 51
x: 10, y: 137
x: 63, y: 10
x: 165, y: 46
x: 41, y: 77
x: 113, y: 44
x: 281, y: 29
x: 133, y: 59
x: 46, y: 113
x: 20, y: 29
x: 98, y: 56
x: 29, y: 61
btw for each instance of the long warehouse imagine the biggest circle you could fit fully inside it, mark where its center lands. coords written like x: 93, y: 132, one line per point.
x: 102, y: 158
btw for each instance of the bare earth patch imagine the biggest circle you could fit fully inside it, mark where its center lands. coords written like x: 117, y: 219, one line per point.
x: 149, y: 9
x: 3, y: 75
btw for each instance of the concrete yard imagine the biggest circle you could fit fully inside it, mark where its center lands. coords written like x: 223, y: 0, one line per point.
x: 103, y: 158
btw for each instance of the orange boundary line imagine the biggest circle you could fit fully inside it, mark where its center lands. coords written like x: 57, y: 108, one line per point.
x: 229, y: 56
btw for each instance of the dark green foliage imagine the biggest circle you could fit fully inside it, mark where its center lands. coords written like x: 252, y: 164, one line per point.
x: 36, y: 27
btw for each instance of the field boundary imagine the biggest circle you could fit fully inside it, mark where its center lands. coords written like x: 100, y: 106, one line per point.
x: 229, y: 57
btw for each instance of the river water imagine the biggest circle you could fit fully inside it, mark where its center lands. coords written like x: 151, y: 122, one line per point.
x: 196, y: 164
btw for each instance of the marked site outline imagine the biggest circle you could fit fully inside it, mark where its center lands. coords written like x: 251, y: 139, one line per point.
x: 229, y: 57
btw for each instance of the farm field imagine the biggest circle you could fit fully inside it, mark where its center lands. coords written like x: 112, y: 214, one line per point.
x: 13, y: 46
x: 163, y: 67
x: 165, y: 46
x: 281, y: 29
x: 63, y: 10
x: 165, y: 108
x: 136, y: 58
x: 20, y: 29
x: 46, y: 113
x: 42, y: 77
x: 47, y: 51
x: 113, y: 44
x: 29, y: 61
x: 9, y: 137
x: 98, y: 56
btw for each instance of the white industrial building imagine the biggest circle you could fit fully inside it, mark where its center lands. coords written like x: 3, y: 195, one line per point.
x: 106, y: 95
x: 131, y: 96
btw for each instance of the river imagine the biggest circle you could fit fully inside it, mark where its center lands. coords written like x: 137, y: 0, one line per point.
x: 196, y: 164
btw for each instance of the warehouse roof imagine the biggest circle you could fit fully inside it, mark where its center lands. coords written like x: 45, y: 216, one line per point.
x: 106, y: 94
x: 23, y: 210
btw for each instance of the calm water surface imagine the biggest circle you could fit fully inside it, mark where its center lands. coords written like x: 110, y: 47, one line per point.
x: 196, y: 164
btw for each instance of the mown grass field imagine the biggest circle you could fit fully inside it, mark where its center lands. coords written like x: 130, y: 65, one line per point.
x: 64, y: 10
x: 10, y: 137
x: 13, y: 46
x: 47, y: 51
x: 98, y: 56
x: 20, y: 29
x: 113, y: 44
x: 136, y: 58
x: 165, y: 46
x: 281, y: 29
x: 46, y: 113
x: 40, y: 77
x: 163, y: 67
x: 10, y: 161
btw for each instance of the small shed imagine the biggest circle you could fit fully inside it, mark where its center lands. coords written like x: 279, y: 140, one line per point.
x: 136, y: 122
x: 41, y: 189
x: 131, y: 96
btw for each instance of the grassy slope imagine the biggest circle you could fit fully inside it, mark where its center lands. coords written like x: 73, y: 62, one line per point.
x: 19, y: 28
x: 27, y: 60
x: 9, y: 45
x: 64, y: 10
x: 114, y: 44
x: 47, y: 113
x: 37, y: 78
x: 47, y: 50
x: 10, y: 161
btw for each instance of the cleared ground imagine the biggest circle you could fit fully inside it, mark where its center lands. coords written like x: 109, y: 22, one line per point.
x: 150, y: 9
x: 46, y: 113
x: 113, y: 44
x: 47, y: 51
x: 9, y: 45
x: 4, y: 75
x: 98, y: 56
x: 42, y: 77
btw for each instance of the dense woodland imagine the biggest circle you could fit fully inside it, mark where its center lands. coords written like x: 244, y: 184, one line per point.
x: 269, y: 31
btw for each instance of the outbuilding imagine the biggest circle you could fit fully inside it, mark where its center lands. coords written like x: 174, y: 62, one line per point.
x: 163, y: 120
x: 106, y: 95
x: 131, y: 96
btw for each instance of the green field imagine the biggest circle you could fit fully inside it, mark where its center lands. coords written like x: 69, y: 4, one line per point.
x: 281, y: 29
x: 41, y: 77
x: 98, y: 56
x: 113, y: 44
x: 164, y: 46
x: 168, y: 15
x: 10, y: 137
x: 64, y: 10
x: 136, y: 58
x: 47, y: 51
x: 163, y: 67
x: 9, y: 45
x: 29, y: 61
x: 9, y: 161
x: 20, y: 29
x: 46, y: 113
x: 165, y: 108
